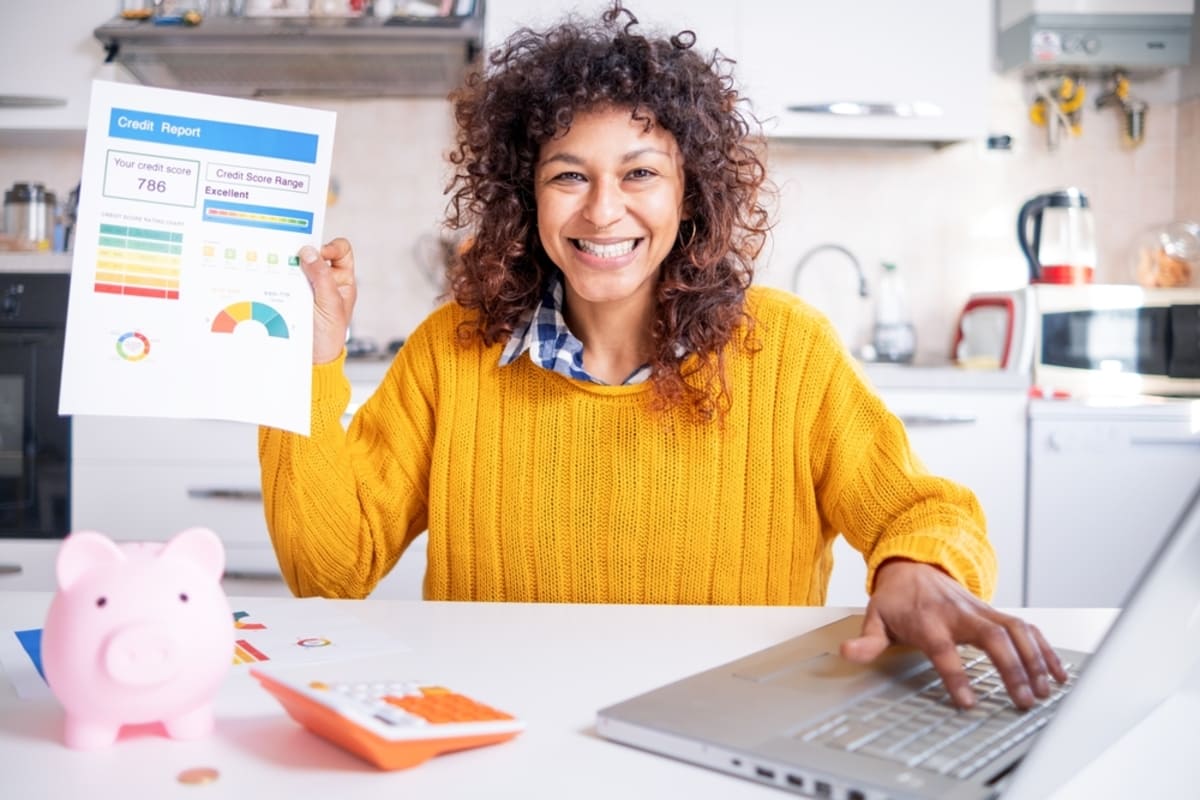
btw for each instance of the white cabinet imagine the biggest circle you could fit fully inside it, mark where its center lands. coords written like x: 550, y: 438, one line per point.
x: 50, y: 53
x: 1105, y: 485
x: 920, y: 69
x: 974, y: 437
x: 139, y: 479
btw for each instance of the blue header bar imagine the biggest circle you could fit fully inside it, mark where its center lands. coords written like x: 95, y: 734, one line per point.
x: 206, y: 134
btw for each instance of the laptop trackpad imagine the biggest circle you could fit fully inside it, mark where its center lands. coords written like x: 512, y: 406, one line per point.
x: 829, y: 669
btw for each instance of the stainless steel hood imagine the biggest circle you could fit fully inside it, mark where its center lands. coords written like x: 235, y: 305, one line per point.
x: 356, y: 57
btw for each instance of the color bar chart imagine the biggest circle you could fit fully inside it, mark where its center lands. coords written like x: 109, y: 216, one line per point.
x: 276, y: 219
x: 246, y: 653
x: 136, y: 261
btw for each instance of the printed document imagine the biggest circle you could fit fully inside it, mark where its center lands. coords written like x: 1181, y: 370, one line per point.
x: 187, y: 299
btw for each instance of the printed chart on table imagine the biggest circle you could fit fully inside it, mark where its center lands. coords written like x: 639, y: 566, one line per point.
x: 187, y: 298
x: 272, y: 632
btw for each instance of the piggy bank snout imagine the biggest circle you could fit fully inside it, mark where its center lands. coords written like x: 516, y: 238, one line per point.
x: 144, y: 654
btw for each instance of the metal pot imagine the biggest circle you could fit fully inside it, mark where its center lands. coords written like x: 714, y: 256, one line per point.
x: 29, y: 214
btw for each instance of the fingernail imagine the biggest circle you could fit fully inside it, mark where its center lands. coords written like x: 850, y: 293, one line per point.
x: 1025, y: 696
x: 1043, y: 685
x: 308, y: 254
x: 966, y: 698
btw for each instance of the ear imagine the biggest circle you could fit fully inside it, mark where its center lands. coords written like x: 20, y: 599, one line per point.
x: 82, y: 551
x: 200, y: 546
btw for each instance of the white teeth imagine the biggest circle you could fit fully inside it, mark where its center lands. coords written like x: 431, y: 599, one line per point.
x: 614, y: 250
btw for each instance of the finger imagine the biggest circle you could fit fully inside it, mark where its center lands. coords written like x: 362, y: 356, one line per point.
x: 339, y: 253
x: 311, y: 264
x: 327, y: 285
x: 947, y: 662
x: 995, y: 640
x: 1053, y: 662
x: 341, y: 266
x: 1023, y: 637
x: 872, y: 640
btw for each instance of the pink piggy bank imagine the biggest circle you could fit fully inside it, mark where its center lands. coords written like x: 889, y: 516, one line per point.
x: 137, y: 633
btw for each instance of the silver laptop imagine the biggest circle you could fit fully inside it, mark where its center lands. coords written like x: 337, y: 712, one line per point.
x: 798, y: 717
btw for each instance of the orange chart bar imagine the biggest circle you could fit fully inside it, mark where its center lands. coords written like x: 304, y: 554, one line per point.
x: 139, y: 262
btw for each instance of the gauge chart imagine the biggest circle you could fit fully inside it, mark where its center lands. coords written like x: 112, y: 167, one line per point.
x: 235, y: 314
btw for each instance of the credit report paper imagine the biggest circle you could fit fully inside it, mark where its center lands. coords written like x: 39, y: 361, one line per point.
x: 187, y: 299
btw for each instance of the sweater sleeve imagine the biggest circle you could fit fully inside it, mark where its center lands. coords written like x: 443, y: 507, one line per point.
x: 873, y: 488
x: 342, y: 505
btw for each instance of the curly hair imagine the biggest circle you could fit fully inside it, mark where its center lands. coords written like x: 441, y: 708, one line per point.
x: 529, y: 91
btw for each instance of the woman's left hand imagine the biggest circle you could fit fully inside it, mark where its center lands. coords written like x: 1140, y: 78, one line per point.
x: 920, y: 605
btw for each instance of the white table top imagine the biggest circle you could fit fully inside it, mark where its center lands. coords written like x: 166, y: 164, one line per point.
x: 551, y: 665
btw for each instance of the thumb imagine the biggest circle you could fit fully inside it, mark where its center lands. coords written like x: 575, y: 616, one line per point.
x: 870, y: 643
x: 311, y: 264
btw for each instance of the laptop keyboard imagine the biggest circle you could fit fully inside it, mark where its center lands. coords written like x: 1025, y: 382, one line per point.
x: 921, y: 727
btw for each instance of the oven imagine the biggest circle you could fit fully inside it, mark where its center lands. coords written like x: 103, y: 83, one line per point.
x: 35, y: 442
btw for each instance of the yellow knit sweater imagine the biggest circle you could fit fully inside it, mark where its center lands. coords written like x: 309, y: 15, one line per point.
x: 535, y: 487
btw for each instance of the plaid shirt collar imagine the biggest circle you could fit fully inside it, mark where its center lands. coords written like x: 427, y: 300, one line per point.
x: 543, y: 333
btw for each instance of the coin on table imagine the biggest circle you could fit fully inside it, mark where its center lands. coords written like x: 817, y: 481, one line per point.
x: 198, y: 775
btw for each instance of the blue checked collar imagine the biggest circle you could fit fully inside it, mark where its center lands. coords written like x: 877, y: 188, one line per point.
x: 543, y: 333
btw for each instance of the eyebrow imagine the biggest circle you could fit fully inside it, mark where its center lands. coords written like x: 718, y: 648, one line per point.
x: 574, y: 160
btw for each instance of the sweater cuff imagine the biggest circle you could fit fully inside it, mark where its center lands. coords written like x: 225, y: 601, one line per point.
x: 330, y: 394
x: 959, y: 555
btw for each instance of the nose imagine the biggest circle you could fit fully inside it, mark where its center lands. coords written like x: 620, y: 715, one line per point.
x: 142, y: 655
x: 605, y: 204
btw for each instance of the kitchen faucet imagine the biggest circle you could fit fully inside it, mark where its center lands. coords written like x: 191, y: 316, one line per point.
x: 862, y: 279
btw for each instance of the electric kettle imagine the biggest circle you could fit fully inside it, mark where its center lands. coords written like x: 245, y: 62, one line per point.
x: 1062, y: 248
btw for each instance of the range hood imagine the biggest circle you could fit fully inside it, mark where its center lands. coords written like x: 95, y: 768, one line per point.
x: 256, y: 56
x: 1136, y: 36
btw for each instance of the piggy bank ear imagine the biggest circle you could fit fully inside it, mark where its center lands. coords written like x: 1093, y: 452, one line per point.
x: 200, y: 546
x: 83, y: 551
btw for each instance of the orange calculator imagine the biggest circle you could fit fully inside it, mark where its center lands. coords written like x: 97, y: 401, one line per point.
x: 392, y: 724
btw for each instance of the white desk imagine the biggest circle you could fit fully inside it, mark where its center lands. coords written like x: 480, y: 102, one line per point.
x: 552, y: 665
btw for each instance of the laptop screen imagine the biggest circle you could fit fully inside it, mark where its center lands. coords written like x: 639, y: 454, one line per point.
x: 1147, y: 654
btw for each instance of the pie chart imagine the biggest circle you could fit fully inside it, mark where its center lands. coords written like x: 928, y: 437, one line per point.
x: 235, y: 314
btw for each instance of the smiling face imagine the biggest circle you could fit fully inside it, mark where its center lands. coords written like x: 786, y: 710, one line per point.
x: 609, y: 197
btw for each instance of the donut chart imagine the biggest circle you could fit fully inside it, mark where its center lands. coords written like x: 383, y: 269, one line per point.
x: 133, y: 346
x: 235, y: 314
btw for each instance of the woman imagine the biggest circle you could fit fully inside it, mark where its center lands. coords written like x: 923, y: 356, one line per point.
x: 607, y: 411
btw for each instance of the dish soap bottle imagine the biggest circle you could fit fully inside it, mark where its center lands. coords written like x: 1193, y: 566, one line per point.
x: 894, y: 337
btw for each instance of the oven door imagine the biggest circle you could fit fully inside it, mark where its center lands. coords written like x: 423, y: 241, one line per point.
x: 35, y: 441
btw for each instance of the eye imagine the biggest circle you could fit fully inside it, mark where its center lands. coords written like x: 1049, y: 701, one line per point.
x: 641, y: 173
x: 183, y: 598
x: 101, y: 602
x: 568, y: 177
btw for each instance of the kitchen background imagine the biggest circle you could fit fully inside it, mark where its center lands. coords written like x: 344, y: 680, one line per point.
x: 1060, y: 476
x: 946, y: 217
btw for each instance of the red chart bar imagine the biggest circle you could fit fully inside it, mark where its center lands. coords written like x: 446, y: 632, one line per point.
x: 251, y: 649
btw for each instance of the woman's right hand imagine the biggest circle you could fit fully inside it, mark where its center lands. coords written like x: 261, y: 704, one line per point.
x: 330, y: 272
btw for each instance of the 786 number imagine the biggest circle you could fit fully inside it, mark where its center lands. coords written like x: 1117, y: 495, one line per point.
x: 151, y: 185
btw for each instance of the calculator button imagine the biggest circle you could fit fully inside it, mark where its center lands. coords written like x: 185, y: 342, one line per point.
x: 394, y: 716
x: 447, y: 707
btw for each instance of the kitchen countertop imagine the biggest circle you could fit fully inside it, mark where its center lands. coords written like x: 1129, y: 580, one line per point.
x: 942, y: 375
x: 1146, y: 407
x: 28, y: 261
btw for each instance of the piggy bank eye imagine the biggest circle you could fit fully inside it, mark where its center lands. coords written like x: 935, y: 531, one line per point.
x: 101, y: 602
x: 183, y: 598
